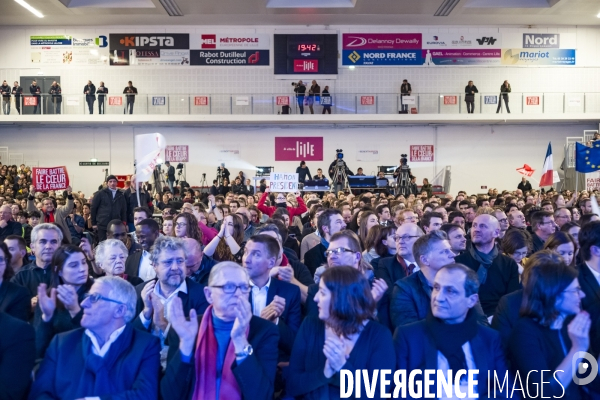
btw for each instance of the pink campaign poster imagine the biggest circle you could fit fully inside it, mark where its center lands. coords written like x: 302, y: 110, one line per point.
x: 298, y: 148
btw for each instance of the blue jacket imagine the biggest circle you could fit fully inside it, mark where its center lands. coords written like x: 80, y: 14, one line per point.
x: 71, y: 371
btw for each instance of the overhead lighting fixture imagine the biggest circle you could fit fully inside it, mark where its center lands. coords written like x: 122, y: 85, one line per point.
x: 32, y: 10
x: 351, y: 67
x: 93, y: 159
x: 171, y: 8
x: 598, y: 16
x: 446, y: 8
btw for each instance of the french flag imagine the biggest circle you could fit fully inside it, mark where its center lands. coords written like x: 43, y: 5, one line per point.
x: 547, y: 178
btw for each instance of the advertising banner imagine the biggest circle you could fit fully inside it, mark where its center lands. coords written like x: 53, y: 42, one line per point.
x: 68, y: 50
x: 149, y: 41
x: 381, y: 41
x: 201, y: 100
x: 30, y: 101
x: 367, y: 100
x: 299, y: 148
x: 462, y: 57
x: 283, y: 100
x: 177, y: 153
x: 410, y: 100
x: 283, y: 182
x: 558, y: 57
x: 212, y: 41
x: 238, y: 58
x: 450, y: 100
x: 115, y: 101
x: 461, y: 41
x: 158, y: 100
x: 378, y: 57
x: 533, y: 100
x: 45, y: 179
x: 541, y: 40
x: 490, y: 99
x: 421, y: 153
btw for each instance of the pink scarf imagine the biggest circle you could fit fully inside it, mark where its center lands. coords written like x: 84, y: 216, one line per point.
x: 206, y: 365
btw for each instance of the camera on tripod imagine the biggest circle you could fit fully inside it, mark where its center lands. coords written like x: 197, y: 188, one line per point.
x: 403, y: 161
x: 340, y: 158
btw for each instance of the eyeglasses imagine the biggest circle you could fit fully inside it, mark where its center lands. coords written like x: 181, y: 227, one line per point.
x: 546, y: 223
x: 405, y: 238
x: 181, y: 224
x: 94, y: 298
x: 576, y: 290
x: 230, y: 288
x: 338, y: 251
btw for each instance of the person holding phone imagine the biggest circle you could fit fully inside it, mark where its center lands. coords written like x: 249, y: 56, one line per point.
x: 101, y: 91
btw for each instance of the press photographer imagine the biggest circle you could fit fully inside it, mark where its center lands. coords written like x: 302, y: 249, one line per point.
x: 300, y: 90
x: 338, y: 172
x: 403, y: 176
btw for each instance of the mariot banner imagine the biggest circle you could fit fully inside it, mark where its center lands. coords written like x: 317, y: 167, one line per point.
x: 54, y: 178
x: 68, y: 50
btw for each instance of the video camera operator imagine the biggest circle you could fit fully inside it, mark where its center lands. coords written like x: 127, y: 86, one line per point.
x: 403, y: 176
x: 339, y: 171
x: 300, y: 90
x: 222, y: 173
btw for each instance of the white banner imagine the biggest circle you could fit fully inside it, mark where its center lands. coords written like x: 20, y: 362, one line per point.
x: 410, y: 100
x: 242, y: 101
x: 283, y: 182
x: 228, y: 153
x: 367, y: 155
x: 148, y: 148
x: 72, y: 101
x: 462, y: 41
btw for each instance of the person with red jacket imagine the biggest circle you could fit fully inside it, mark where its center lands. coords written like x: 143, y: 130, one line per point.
x: 280, y: 201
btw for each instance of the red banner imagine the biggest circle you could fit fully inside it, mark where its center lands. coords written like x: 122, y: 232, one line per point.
x: 299, y: 148
x: 449, y: 100
x: 283, y: 100
x: 421, y: 153
x: 177, y: 154
x: 45, y: 179
x: 201, y: 100
x: 115, y: 101
x: 533, y: 100
x: 30, y: 101
x: 367, y: 100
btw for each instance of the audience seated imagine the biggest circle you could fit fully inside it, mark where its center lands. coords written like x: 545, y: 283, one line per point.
x: 450, y: 337
x: 225, y: 353
x: 138, y: 264
x: 343, y: 336
x: 106, y: 357
x: 330, y: 221
x: 14, y: 299
x: 111, y: 256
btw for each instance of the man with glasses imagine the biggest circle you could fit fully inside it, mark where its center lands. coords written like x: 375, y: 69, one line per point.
x: 329, y: 222
x: 106, y: 357
x: 139, y: 264
x: 403, y: 264
x: 503, y: 221
x: 498, y: 274
x: 562, y: 216
x: 154, y: 297
x: 543, y: 226
x: 229, y: 353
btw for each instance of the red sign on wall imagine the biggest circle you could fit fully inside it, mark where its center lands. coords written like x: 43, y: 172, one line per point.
x: 201, y: 100
x: 533, y: 100
x: 177, y: 154
x: 306, y: 65
x: 115, y: 101
x: 283, y: 100
x: 421, y: 153
x: 450, y: 100
x: 299, y: 148
x: 45, y: 179
x: 367, y: 100
x: 30, y: 101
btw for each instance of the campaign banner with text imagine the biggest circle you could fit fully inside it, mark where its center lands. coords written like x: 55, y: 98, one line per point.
x: 283, y: 182
x: 54, y: 178
x: 177, y: 153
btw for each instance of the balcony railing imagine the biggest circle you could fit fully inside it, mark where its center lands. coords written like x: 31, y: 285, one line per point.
x: 338, y: 103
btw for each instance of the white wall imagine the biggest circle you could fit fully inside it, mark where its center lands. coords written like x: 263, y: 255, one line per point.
x: 479, y: 155
x: 585, y: 77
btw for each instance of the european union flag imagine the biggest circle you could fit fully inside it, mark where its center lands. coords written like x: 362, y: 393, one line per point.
x: 587, y: 159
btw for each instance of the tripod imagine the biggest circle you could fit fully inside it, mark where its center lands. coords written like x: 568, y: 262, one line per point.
x: 159, y: 180
x: 339, y: 174
x: 203, y: 181
x: 403, y: 182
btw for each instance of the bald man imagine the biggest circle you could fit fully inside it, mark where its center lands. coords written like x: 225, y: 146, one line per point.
x: 197, y: 264
x: 498, y: 274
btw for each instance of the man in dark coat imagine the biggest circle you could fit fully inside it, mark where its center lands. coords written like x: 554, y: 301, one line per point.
x: 450, y: 337
x: 8, y: 227
x: 106, y: 357
x: 108, y: 204
x: 17, y: 357
x: 498, y: 274
x: 243, y: 348
x: 90, y: 95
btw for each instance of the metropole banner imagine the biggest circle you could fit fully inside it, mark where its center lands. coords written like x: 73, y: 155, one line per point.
x: 53, y: 178
x: 240, y: 49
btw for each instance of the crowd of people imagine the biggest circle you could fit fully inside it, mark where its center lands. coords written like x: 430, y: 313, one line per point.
x: 271, y: 295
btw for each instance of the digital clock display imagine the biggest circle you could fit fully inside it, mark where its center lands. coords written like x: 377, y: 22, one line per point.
x: 309, y: 47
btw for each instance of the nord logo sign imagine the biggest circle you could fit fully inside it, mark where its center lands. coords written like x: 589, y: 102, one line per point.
x: 541, y: 40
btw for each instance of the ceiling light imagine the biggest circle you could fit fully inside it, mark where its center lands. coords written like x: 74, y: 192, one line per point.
x: 32, y: 10
x: 93, y: 159
x: 351, y: 67
x: 446, y: 8
x: 598, y: 16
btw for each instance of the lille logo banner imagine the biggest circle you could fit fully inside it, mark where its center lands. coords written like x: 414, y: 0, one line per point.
x: 299, y: 148
x: 54, y: 178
